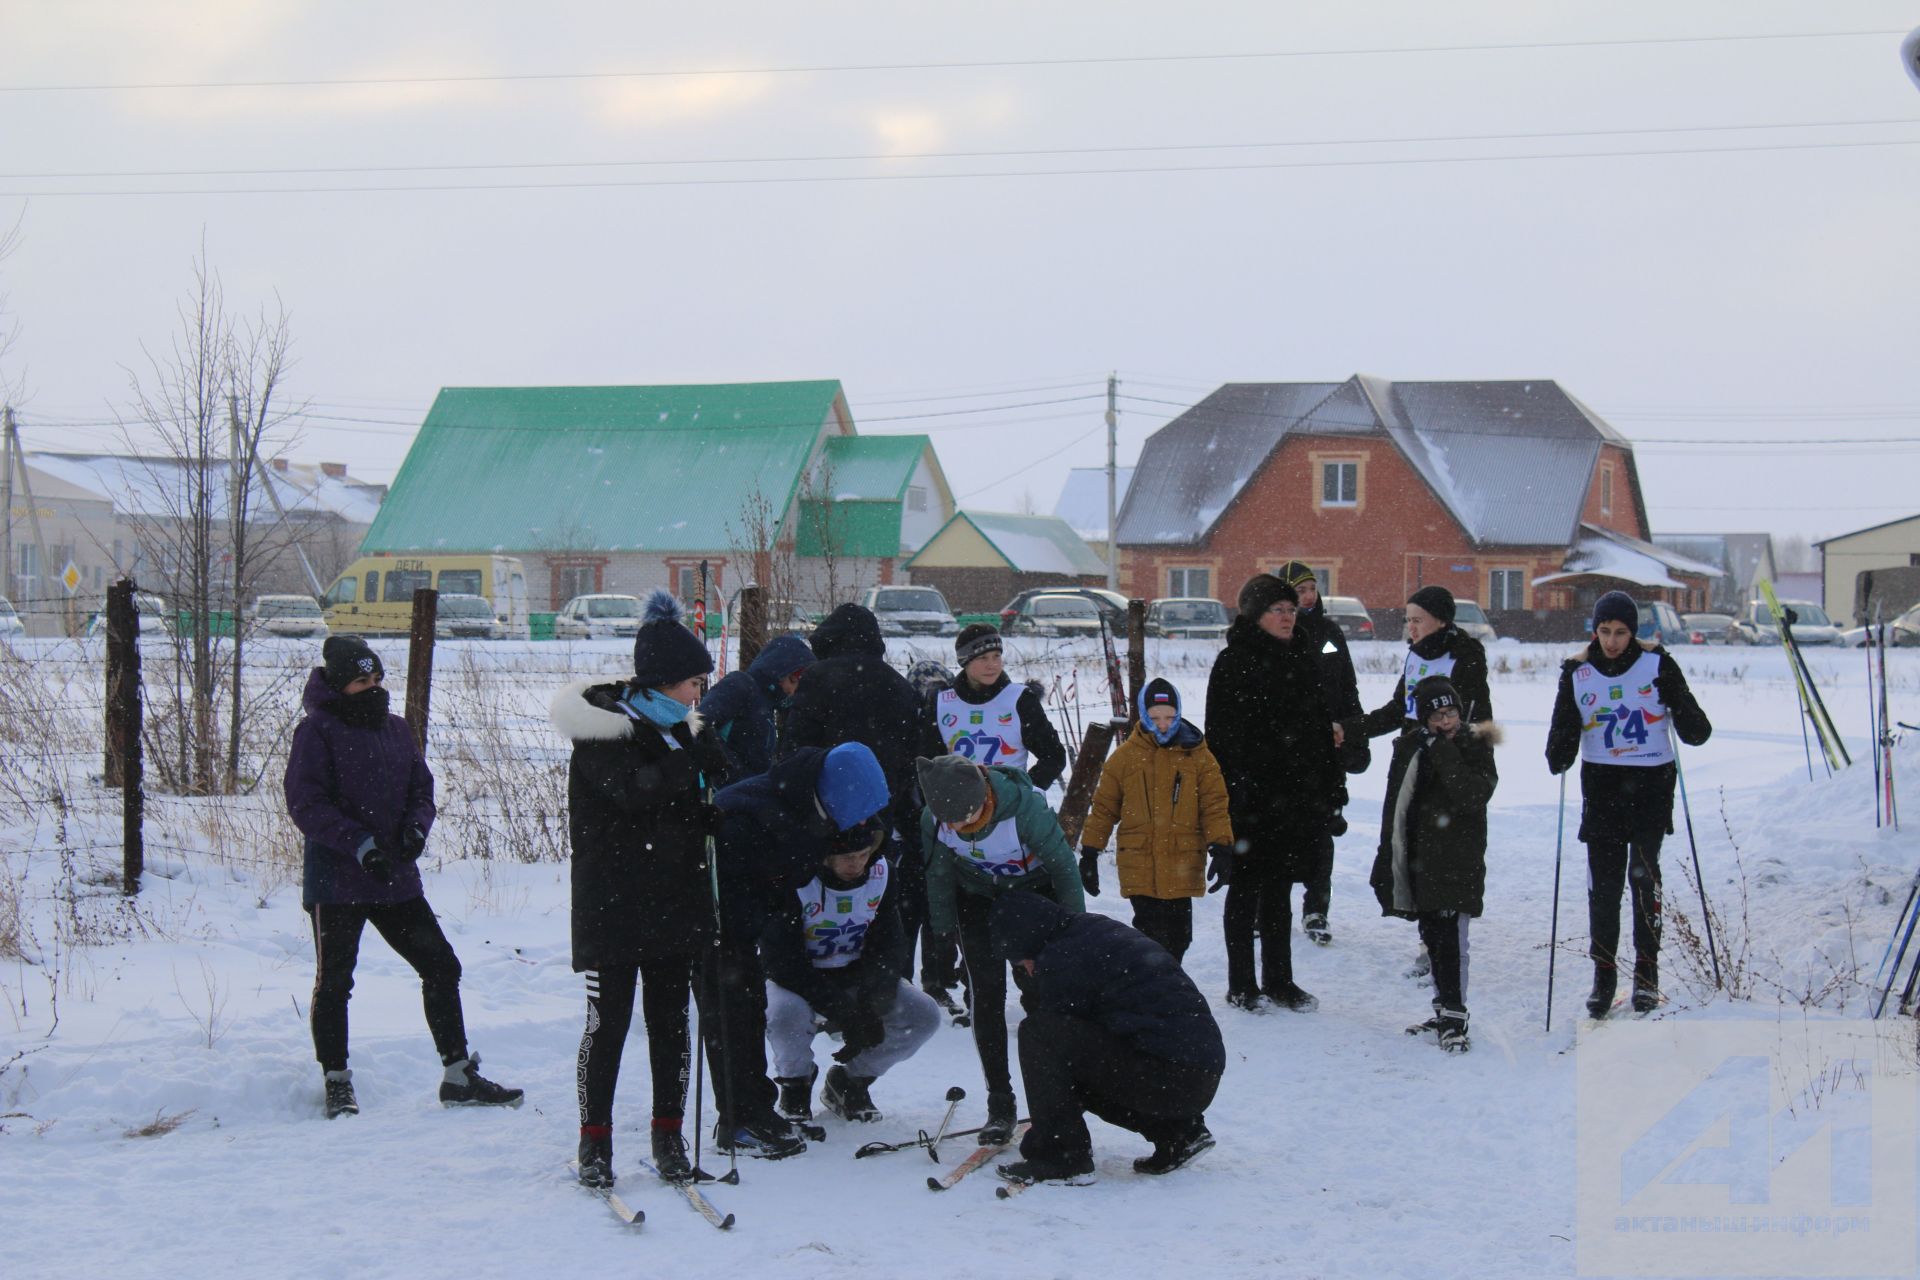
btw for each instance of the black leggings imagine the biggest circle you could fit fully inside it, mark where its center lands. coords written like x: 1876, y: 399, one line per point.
x: 987, y: 984
x: 1444, y: 934
x: 414, y: 934
x: 1613, y: 865
x: 664, y: 984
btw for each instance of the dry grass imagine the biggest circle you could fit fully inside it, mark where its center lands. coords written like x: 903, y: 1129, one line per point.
x: 162, y: 1124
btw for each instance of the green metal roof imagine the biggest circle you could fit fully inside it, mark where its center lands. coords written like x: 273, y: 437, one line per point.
x: 873, y: 467
x: 1029, y: 544
x: 859, y: 528
x: 599, y: 468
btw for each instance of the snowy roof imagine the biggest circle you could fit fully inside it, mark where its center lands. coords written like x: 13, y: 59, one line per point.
x: 1512, y: 461
x: 1029, y: 544
x: 1604, y: 553
x: 1083, y: 499
x: 155, y: 488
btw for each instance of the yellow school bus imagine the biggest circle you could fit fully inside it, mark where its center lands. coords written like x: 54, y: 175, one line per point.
x: 375, y: 594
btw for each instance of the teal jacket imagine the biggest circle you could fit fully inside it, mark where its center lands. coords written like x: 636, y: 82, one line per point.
x: 1015, y: 801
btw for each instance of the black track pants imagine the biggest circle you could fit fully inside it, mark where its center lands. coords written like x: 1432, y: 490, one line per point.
x: 1168, y: 921
x: 663, y: 986
x: 1258, y: 901
x: 1071, y: 1066
x: 1613, y: 865
x: 414, y: 934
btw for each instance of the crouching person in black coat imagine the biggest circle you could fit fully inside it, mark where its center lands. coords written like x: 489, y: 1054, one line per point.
x: 834, y: 954
x: 1114, y: 1027
x: 1432, y: 864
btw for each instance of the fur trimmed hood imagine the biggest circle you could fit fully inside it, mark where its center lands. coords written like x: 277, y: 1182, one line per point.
x: 1492, y: 732
x: 589, y: 711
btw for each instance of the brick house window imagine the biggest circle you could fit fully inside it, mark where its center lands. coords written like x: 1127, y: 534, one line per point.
x: 1606, y: 490
x: 1506, y: 589
x: 1190, y: 582
x: 1323, y: 578
x: 1340, y: 484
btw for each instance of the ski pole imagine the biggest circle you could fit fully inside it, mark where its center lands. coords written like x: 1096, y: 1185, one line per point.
x: 1706, y: 914
x: 1900, y: 958
x: 699, y: 1084
x: 1873, y: 728
x: 719, y: 989
x: 1913, y: 890
x: 1553, y: 935
x: 954, y: 1097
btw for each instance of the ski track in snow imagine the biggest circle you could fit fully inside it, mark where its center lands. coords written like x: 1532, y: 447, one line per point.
x: 1346, y: 1147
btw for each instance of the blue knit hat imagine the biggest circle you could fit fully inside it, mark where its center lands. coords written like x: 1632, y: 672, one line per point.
x: 851, y: 787
x: 664, y: 651
x: 1616, y: 606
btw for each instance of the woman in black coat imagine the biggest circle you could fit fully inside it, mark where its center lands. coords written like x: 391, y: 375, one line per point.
x: 1269, y: 727
x: 643, y: 766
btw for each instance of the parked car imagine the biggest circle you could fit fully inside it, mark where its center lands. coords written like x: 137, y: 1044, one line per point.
x: 1110, y: 603
x: 1472, y: 619
x: 287, y: 616
x: 1188, y: 618
x: 1811, y: 626
x: 1905, y: 631
x: 598, y: 617
x: 1350, y: 616
x: 1708, y: 628
x: 910, y: 611
x: 11, y: 628
x: 1660, y: 622
x: 1056, y: 615
x: 465, y: 617
x: 155, y: 618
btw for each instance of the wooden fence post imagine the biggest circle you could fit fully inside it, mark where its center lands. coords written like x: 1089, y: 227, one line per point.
x: 1136, y: 658
x: 124, y: 762
x: 753, y: 624
x: 426, y: 612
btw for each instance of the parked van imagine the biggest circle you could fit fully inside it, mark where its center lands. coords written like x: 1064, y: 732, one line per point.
x: 375, y: 595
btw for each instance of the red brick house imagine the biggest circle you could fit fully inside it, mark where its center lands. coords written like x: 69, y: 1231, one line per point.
x: 1513, y: 494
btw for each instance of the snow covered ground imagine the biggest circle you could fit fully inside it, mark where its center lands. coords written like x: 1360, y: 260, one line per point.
x: 1346, y: 1148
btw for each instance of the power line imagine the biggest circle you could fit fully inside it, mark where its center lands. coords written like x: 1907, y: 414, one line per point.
x: 801, y: 179
x: 964, y: 65
x: 1020, y: 153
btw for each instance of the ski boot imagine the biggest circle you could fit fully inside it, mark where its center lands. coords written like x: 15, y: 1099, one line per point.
x: 1177, y: 1154
x: 1248, y: 1000
x: 670, y: 1154
x: 340, y: 1099
x: 1076, y: 1171
x: 1600, y: 999
x: 1431, y: 1027
x: 847, y: 1097
x: 1002, y: 1116
x: 769, y: 1138
x: 1453, y: 1031
x: 1646, y: 986
x: 796, y: 1096
x: 1315, y: 927
x: 464, y: 1086
x: 596, y: 1156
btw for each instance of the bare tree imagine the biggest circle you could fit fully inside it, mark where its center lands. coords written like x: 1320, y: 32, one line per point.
x: 761, y: 541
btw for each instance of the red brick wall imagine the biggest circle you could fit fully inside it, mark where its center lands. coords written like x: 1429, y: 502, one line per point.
x: 1396, y: 539
x: 1623, y: 514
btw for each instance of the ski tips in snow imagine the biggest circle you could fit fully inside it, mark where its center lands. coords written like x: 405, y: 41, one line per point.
x: 691, y: 1192
x: 630, y: 1214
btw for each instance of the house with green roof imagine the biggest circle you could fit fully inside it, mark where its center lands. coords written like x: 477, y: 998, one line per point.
x: 623, y: 489
x: 981, y: 559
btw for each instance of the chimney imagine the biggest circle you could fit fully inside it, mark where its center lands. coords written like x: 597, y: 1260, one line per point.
x: 280, y: 465
x: 338, y: 470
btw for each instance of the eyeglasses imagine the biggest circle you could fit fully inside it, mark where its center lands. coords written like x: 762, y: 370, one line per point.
x: 1283, y: 610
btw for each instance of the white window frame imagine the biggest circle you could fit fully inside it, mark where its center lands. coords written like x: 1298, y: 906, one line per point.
x: 1345, y: 470
x: 1185, y: 580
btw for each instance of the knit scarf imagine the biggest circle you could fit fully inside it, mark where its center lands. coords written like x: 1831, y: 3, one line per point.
x: 657, y: 710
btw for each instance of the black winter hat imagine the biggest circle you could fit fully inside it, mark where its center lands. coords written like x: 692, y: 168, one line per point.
x: 1296, y: 573
x: 952, y: 786
x: 1433, y: 694
x: 1261, y: 593
x: 1436, y: 600
x: 976, y: 640
x: 345, y: 659
x: 1616, y: 606
x: 664, y: 651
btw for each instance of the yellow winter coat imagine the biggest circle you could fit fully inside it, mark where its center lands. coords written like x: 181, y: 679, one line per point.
x: 1164, y: 833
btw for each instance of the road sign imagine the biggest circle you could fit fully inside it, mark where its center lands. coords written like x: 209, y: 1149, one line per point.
x: 70, y: 577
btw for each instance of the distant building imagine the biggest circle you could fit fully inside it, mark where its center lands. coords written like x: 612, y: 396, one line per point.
x: 1893, y: 545
x: 624, y: 489
x: 1744, y: 559
x: 1513, y: 494
x: 981, y: 559
x: 1083, y: 503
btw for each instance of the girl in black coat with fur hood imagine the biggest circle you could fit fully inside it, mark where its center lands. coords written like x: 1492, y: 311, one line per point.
x: 639, y: 821
x: 1432, y: 863
x: 1621, y: 704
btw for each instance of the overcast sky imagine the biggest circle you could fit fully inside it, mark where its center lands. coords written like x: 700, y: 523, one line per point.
x: 804, y: 210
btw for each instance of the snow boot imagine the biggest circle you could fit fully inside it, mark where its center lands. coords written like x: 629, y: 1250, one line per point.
x: 1431, y: 1027
x: 1177, y: 1154
x: 1292, y: 997
x: 596, y: 1156
x: 771, y: 1138
x: 796, y: 1096
x: 1600, y: 999
x: 1453, y: 1031
x: 847, y: 1097
x: 464, y: 1086
x: 1075, y: 1171
x: 1248, y: 1000
x: 1315, y: 926
x: 1422, y: 965
x: 954, y: 1009
x: 670, y: 1154
x: 1002, y: 1116
x: 340, y: 1099
x: 1646, y: 985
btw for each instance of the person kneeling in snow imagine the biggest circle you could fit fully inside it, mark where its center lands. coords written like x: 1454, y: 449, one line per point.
x: 362, y: 795
x: 1114, y: 1027
x: 1432, y: 864
x: 834, y: 956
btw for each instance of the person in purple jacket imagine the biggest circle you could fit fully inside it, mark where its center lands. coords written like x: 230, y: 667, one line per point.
x: 362, y: 795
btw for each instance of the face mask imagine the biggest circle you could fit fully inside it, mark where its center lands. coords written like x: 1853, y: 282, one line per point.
x: 364, y: 710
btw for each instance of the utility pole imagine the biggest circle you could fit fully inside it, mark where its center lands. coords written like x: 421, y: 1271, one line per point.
x: 1113, y: 485
x: 6, y: 503
x: 33, y: 512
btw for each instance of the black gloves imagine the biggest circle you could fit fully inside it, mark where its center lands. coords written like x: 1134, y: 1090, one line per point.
x: 413, y: 841
x: 1090, y: 871
x: 1337, y: 824
x: 374, y: 860
x: 1219, y: 867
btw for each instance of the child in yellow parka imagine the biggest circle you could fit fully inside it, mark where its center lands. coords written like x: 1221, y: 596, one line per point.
x: 1165, y: 791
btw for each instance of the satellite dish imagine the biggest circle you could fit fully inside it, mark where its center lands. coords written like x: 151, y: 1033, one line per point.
x: 1910, y: 56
